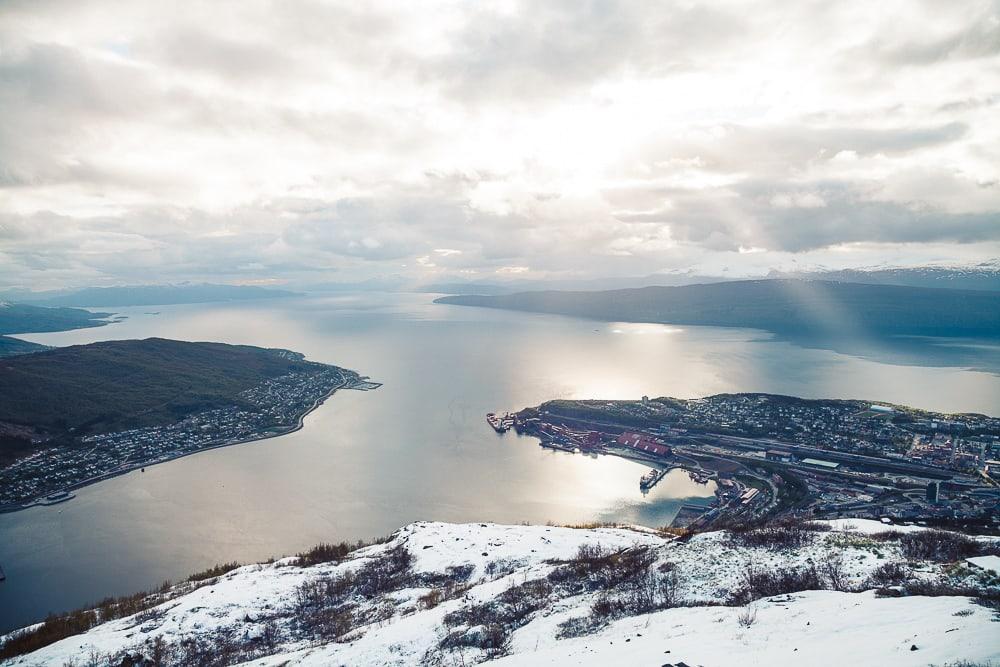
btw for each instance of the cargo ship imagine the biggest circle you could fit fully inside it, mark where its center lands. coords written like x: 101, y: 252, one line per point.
x: 499, y: 424
x: 650, y: 479
x: 494, y: 422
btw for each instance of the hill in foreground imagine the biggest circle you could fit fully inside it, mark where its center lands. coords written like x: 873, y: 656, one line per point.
x: 831, y: 593
x: 783, y: 306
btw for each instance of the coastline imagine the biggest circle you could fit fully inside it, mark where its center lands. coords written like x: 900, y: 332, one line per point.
x: 298, y: 425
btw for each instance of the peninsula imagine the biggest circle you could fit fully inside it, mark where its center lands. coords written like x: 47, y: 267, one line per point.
x: 800, y: 307
x: 780, y: 456
x: 77, y: 415
x: 19, y: 318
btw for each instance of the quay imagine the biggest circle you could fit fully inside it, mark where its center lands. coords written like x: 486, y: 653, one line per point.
x: 652, y: 478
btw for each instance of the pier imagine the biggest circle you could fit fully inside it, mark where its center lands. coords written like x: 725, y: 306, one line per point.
x: 652, y: 478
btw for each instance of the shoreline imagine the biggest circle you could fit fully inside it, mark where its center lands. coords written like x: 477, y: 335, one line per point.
x: 298, y: 425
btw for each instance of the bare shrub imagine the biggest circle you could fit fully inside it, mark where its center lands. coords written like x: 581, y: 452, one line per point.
x: 327, y: 553
x: 493, y: 638
x: 596, y: 568
x: 501, y: 567
x: 757, y: 582
x: 388, y: 572
x: 645, y: 594
x: 214, y: 571
x: 453, y: 574
x: 747, y: 617
x: 889, y: 574
x: 987, y: 597
x: 488, y: 625
x: 938, y: 545
x: 329, y: 606
x: 831, y: 568
x: 787, y: 534
x: 431, y: 599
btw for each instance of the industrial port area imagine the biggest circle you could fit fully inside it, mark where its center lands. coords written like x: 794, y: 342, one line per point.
x: 773, y: 456
x: 274, y: 407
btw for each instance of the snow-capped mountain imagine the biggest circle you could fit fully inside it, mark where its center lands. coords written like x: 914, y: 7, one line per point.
x: 982, y: 276
x: 835, y: 593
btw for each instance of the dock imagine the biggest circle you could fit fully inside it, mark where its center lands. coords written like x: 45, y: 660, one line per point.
x: 363, y: 384
x: 652, y: 478
x: 687, y: 515
x: 558, y: 446
x: 500, y: 424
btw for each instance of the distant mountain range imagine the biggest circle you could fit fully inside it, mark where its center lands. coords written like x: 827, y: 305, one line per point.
x: 810, y: 307
x: 985, y: 276
x: 146, y: 295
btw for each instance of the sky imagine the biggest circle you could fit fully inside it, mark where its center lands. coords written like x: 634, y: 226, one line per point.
x: 306, y: 142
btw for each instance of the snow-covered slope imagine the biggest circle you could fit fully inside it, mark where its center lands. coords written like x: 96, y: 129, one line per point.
x: 458, y: 594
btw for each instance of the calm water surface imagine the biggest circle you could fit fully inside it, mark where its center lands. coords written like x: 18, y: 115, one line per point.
x: 419, y: 448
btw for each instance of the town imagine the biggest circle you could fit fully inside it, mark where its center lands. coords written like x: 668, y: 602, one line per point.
x: 273, y: 407
x: 773, y: 456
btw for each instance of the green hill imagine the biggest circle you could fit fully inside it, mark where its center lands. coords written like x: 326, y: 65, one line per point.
x: 113, y: 385
x: 18, y: 318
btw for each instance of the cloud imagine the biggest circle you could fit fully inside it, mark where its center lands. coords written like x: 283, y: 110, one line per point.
x: 292, y: 141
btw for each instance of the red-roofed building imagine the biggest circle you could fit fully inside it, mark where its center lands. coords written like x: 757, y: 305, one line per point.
x: 643, y: 443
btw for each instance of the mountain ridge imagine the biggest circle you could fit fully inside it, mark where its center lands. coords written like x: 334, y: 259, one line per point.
x: 783, y: 306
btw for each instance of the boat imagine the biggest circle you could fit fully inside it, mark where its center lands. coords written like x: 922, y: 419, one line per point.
x: 56, y: 498
x: 650, y: 479
x: 499, y: 425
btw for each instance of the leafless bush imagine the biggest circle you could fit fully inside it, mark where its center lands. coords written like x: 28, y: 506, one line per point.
x: 595, y: 568
x: 329, y: 553
x: 889, y: 574
x: 747, y: 617
x: 501, y: 567
x: 758, y: 582
x: 645, y: 594
x: 987, y: 597
x: 493, y: 638
x: 330, y: 606
x: 831, y: 568
x: 453, y: 574
x: 431, y: 599
x: 214, y: 571
x: 788, y: 534
x: 488, y: 625
x: 938, y: 545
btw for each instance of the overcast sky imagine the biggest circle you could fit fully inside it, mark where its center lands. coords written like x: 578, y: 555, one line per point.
x: 291, y: 142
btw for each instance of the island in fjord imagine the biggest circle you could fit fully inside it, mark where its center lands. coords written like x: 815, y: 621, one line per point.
x: 76, y: 415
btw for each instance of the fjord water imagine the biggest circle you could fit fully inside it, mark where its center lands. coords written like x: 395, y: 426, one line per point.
x: 419, y: 448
